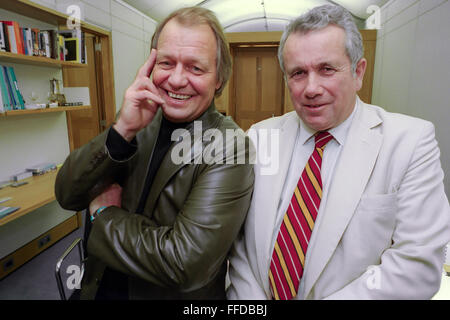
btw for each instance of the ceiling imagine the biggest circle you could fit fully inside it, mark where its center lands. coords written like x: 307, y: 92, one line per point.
x: 252, y: 15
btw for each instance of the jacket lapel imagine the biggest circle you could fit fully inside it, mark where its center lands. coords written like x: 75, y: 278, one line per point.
x: 169, y: 167
x: 139, y: 166
x: 351, y: 175
x: 266, y: 199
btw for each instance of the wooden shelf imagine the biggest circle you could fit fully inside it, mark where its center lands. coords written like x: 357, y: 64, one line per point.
x: 46, y: 110
x: 39, y: 61
x: 39, y: 191
x: 39, y: 12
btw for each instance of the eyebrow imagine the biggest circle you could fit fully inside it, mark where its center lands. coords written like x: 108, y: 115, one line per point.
x: 188, y: 59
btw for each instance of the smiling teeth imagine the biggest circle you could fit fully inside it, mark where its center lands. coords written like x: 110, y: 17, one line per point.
x: 178, y: 96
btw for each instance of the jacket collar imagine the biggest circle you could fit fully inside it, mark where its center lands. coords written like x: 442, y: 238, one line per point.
x: 210, y: 118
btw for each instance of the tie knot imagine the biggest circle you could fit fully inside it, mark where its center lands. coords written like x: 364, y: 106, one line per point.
x: 322, y: 138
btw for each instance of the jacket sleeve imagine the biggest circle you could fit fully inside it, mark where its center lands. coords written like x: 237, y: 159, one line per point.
x: 411, y: 268
x: 86, y: 172
x: 188, y: 254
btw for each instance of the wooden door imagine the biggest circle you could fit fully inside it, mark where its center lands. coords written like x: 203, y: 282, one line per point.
x: 370, y: 44
x: 83, y: 125
x: 257, y: 86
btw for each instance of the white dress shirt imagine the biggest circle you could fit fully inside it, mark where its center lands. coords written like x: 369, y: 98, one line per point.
x: 304, y: 146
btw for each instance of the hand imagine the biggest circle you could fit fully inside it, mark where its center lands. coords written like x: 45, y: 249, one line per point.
x: 112, y: 196
x: 140, y: 103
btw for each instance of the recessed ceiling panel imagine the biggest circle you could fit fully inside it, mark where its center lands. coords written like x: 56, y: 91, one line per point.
x: 290, y: 9
x: 230, y: 12
x: 235, y: 14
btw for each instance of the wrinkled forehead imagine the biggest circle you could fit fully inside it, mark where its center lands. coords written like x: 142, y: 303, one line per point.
x: 318, y: 45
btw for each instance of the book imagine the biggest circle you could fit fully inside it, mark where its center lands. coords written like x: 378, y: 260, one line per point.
x: 54, y: 52
x: 14, y: 35
x: 22, y: 40
x: 46, y: 43
x: 72, y: 46
x: 18, y: 95
x: 2, y: 38
x: 4, y: 92
x: 61, y: 48
x: 2, y: 108
x: 5, y: 211
x: 28, y: 41
x: 5, y: 32
x: 12, y: 39
x: 35, y: 41
x: 77, y: 45
x: 9, y: 87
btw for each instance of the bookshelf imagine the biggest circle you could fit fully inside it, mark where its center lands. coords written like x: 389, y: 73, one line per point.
x: 38, y: 61
x: 41, y: 111
x: 38, y: 210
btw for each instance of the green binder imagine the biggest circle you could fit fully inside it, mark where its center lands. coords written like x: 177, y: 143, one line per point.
x: 17, y: 93
x: 4, y: 91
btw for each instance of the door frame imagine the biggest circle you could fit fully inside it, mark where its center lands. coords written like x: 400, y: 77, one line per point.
x: 104, y: 78
x: 236, y: 39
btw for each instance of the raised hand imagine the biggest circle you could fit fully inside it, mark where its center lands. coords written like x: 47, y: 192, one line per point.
x: 140, y: 103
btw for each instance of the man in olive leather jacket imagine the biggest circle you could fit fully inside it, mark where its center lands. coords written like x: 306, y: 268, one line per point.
x: 162, y: 229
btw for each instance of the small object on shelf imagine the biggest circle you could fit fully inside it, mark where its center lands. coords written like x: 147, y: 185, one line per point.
x: 18, y: 184
x: 21, y: 175
x: 4, y: 211
x: 55, y: 94
x: 4, y: 184
x: 42, y: 168
x: 71, y: 104
x: 5, y: 199
x: 34, y: 106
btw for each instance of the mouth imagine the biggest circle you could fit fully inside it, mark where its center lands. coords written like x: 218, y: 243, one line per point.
x: 178, y: 96
x: 314, y: 106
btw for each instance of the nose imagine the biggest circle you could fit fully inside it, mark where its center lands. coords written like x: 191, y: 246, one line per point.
x: 313, y: 86
x: 177, y: 78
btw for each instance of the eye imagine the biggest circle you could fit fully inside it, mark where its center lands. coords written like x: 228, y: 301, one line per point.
x: 328, y: 70
x: 297, y: 74
x: 196, y: 69
x: 164, y: 64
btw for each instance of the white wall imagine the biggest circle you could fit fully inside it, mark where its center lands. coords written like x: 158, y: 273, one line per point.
x: 412, y: 65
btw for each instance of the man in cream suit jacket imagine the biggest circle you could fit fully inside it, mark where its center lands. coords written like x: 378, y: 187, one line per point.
x: 384, y: 218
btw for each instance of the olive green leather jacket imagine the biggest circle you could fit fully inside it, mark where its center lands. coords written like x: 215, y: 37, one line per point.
x: 177, y: 248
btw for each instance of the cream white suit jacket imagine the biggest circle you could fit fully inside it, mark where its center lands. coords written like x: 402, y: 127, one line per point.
x: 385, y: 223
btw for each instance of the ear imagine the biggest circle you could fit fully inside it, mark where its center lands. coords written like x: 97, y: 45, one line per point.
x: 218, y: 84
x: 359, y: 73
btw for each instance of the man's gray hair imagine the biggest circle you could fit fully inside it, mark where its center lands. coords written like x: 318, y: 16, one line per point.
x: 319, y: 18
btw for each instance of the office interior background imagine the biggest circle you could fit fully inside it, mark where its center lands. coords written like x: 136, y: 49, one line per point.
x: 411, y: 75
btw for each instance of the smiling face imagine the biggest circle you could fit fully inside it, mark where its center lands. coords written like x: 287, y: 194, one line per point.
x: 185, y: 70
x: 319, y: 76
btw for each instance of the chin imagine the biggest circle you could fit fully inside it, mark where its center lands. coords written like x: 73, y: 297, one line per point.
x: 176, y: 114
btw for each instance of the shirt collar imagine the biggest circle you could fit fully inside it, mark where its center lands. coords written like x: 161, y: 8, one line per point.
x: 339, y: 133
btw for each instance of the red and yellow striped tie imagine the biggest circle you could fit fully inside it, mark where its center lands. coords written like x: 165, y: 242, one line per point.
x: 288, y: 258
